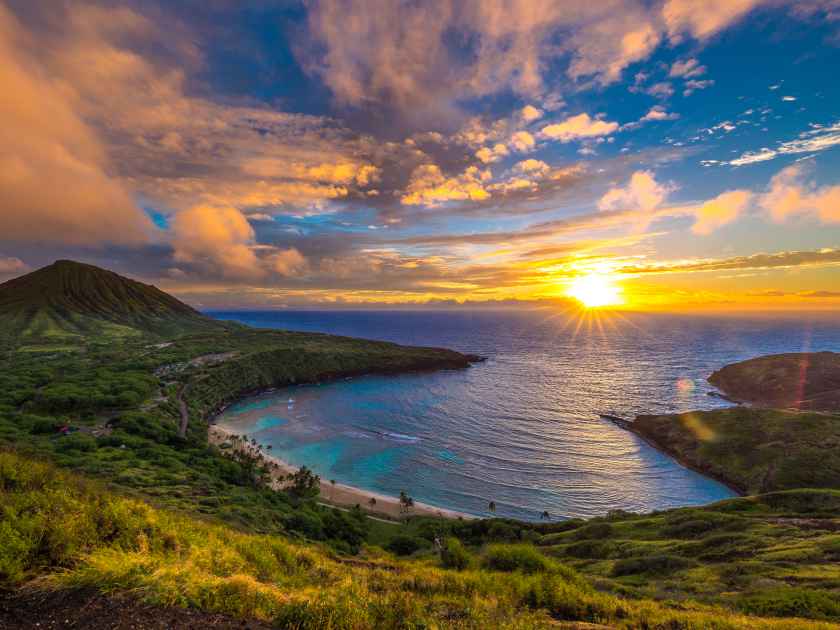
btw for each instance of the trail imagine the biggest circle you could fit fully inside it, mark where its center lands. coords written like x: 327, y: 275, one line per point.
x: 185, y: 414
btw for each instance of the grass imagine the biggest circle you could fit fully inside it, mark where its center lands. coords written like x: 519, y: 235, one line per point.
x: 754, y: 450
x: 71, y: 533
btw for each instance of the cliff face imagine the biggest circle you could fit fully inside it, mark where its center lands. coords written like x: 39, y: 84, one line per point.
x: 809, y: 380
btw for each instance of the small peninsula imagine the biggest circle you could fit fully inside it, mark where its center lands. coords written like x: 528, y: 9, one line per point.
x: 788, y: 438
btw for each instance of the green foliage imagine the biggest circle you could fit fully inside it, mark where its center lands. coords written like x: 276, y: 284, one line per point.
x: 792, y: 602
x: 304, y: 483
x: 523, y: 558
x: 663, y: 564
x: 402, y: 545
x: 453, y: 555
x: 755, y: 450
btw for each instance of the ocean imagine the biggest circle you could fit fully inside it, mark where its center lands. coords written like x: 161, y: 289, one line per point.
x: 523, y: 428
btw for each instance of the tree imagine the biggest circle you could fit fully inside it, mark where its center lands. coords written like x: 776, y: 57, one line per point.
x: 492, y: 506
x: 545, y: 516
x: 406, y: 502
x: 332, y: 491
x: 372, y: 502
x: 304, y: 483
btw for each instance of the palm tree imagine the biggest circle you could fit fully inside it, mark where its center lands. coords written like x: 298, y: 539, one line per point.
x: 332, y: 491
x: 372, y: 502
x: 545, y: 516
x: 406, y: 502
x: 492, y: 506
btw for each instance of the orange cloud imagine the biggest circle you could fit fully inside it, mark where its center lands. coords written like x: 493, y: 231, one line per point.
x: 790, y: 196
x: 218, y: 239
x: 703, y: 18
x: 642, y: 192
x: 721, y: 210
x: 577, y: 127
x: 55, y: 184
x: 429, y: 187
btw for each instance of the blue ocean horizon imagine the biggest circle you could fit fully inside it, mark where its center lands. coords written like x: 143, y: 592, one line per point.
x: 523, y: 428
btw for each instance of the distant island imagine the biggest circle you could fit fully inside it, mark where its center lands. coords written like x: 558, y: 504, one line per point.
x: 119, y: 509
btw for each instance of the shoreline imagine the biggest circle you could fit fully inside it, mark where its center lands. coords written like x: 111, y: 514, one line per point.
x: 631, y: 427
x: 339, y: 495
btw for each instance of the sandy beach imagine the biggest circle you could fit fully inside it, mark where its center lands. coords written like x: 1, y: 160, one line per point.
x: 339, y: 495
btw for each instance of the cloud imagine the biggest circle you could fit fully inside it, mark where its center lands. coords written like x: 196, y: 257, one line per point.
x: 288, y: 262
x: 703, y: 19
x: 790, y: 196
x: 532, y: 166
x: 642, y: 192
x: 756, y: 261
x: 492, y: 154
x: 522, y: 141
x: 401, y: 56
x: 429, y: 187
x: 819, y: 138
x: 687, y: 68
x: 721, y: 210
x: 660, y: 90
x: 530, y: 113
x: 658, y: 112
x: 216, y: 239
x: 577, y: 127
x: 12, y: 265
x: 694, y: 85
x: 55, y: 181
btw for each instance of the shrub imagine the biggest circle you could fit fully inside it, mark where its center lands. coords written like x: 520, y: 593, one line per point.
x: 82, y: 442
x: 792, y: 602
x: 453, y: 555
x: 663, y: 564
x: 523, y: 558
x: 596, y: 549
x: 594, y: 530
x: 405, y: 545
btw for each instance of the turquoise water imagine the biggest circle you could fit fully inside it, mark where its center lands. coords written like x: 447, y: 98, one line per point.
x: 523, y: 428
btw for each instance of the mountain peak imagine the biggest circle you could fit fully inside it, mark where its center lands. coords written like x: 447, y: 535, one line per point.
x: 70, y: 297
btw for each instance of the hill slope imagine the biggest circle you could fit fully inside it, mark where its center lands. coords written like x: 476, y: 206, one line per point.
x: 68, y: 298
x: 805, y: 380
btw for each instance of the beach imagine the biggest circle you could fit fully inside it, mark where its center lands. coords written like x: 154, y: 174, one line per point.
x: 337, y: 495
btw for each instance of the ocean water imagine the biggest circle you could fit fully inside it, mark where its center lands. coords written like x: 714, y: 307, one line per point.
x: 523, y: 428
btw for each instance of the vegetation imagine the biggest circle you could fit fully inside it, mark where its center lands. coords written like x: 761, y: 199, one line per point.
x: 806, y: 380
x: 112, y: 396
x: 74, y: 534
x: 753, y: 450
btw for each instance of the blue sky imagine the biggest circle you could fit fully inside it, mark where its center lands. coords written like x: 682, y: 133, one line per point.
x: 269, y: 154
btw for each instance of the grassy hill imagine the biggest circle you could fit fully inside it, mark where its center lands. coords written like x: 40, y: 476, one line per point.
x: 68, y: 299
x: 75, y: 536
x: 806, y: 380
x: 753, y: 450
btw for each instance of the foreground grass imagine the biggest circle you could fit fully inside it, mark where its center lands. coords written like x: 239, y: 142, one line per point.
x: 69, y: 533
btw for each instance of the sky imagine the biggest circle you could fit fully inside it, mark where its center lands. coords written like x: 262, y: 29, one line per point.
x: 331, y: 153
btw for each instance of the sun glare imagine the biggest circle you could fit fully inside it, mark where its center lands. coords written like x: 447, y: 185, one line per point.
x: 595, y: 290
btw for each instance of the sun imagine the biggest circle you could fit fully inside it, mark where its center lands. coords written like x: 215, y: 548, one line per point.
x: 595, y: 290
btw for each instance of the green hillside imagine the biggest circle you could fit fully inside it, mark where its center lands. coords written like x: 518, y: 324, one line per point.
x: 804, y: 380
x: 68, y: 299
x: 76, y: 537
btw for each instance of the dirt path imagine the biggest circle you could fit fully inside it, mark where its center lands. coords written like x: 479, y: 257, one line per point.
x: 43, y: 610
x: 185, y: 413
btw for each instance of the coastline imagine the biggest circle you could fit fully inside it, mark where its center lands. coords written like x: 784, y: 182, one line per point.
x: 631, y: 426
x: 339, y: 495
